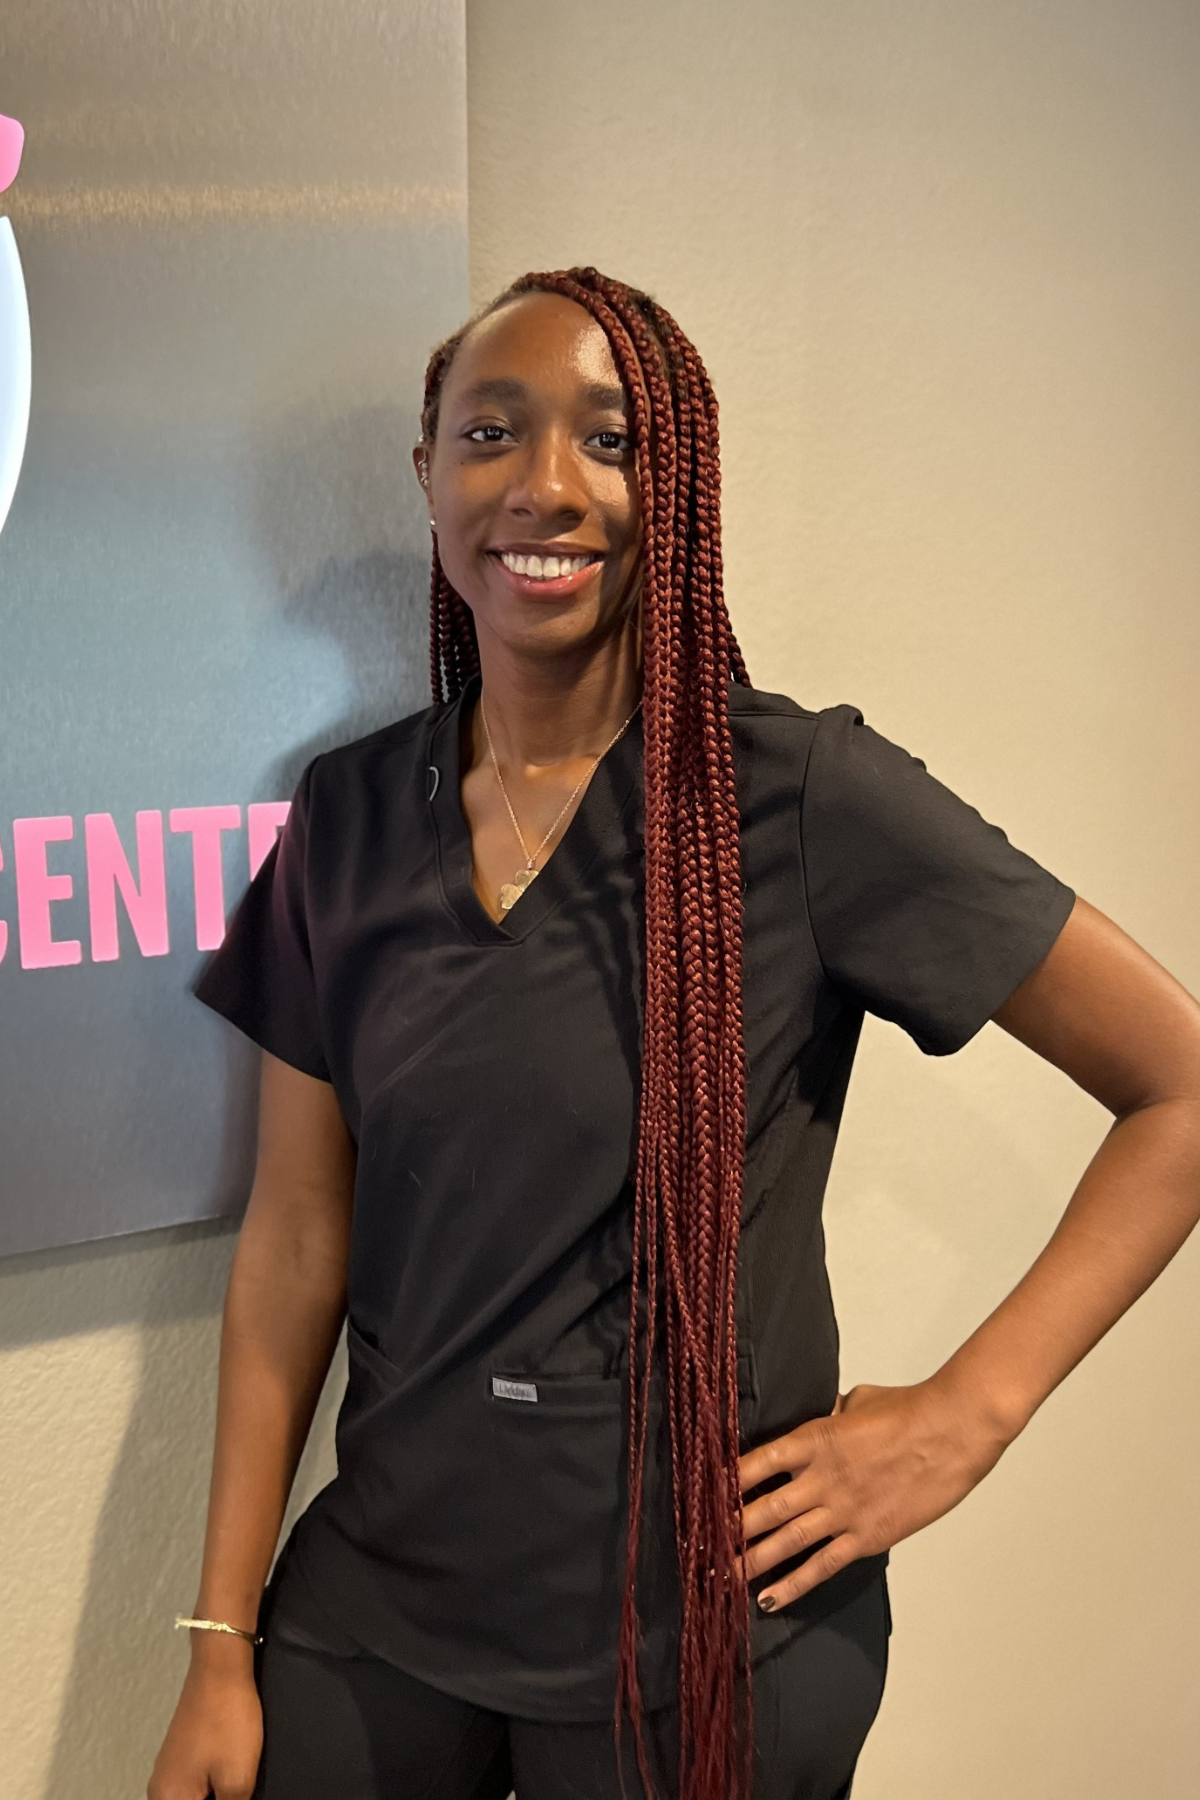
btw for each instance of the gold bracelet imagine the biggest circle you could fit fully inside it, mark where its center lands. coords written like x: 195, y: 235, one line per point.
x: 214, y: 1625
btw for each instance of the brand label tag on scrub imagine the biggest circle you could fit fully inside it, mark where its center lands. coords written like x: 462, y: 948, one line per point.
x: 513, y: 1390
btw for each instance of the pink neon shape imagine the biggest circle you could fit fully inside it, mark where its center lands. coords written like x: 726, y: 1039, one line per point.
x: 264, y: 821
x: 12, y: 142
x: 206, y: 823
x: 145, y: 900
x: 37, y: 889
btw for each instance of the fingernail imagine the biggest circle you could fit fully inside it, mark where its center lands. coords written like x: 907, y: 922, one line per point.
x: 767, y: 1602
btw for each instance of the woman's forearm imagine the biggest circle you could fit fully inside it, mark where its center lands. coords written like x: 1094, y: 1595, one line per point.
x: 889, y: 1461
x: 1135, y: 1205
x: 283, y: 1312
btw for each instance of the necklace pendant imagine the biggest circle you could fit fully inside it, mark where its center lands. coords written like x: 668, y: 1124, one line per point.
x: 511, y: 891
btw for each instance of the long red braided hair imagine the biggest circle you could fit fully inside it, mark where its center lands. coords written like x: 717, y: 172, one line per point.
x: 691, y: 1126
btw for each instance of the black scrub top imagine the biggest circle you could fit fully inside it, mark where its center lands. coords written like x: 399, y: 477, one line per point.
x: 488, y: 1072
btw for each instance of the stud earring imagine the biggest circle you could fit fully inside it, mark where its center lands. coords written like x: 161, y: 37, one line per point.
x: 433, y: 526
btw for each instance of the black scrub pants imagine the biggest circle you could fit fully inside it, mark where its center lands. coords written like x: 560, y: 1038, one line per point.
x: 340, y: 1724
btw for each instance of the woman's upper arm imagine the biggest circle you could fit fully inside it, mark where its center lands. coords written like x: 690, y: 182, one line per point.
x: 1100, y: 1008
x: 304, y: 1172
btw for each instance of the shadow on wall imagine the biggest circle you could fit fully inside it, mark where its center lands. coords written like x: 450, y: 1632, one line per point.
x: 339, y: 522
x: 386, y: 652
x: 339, y: 518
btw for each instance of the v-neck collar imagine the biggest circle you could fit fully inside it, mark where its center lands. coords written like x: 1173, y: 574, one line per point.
x: 597, y: 824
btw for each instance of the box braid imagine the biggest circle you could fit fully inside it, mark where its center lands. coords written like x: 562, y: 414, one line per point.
x: 691, y: 1133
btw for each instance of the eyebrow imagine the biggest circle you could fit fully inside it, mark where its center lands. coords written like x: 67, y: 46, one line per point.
x: 606, y: 398
x: 599, y: 394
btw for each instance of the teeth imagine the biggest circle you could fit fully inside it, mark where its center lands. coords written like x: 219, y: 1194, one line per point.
x: 543, y: 568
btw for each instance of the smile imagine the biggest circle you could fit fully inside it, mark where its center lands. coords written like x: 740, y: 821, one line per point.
x: 544, y: 568
x: 548, y: 575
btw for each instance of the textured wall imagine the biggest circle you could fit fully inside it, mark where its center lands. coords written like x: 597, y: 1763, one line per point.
x: 107, y: 1403
x: 944, y: 261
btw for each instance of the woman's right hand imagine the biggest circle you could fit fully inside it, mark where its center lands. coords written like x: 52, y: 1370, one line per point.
x: 214, y: 1740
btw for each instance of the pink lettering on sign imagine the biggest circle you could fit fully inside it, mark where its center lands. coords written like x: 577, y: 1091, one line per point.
x: 206, y: 825
x: 145, y: 899
x: 37, y: 890
x: 135, y: 876
x: 264, y: 821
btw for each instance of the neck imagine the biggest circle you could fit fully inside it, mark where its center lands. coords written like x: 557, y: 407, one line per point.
x: 547, y: 710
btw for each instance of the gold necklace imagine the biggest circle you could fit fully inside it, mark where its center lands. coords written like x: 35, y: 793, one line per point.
x: 511, y: 891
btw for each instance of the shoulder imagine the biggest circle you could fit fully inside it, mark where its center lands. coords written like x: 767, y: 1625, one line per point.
x: 846, y: 777
x: 750, y: 705
x: 766, y: 725
x: 754, y: 710
x: 402, y: 738
x: 352, y: 770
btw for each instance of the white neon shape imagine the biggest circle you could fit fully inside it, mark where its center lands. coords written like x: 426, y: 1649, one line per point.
x: 16, y: 347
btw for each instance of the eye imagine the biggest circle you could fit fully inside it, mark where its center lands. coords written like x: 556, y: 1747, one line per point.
x: 488, y: 434
x: 613, y: 441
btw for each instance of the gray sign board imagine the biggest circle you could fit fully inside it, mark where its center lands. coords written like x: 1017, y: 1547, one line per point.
x: 239, y: 232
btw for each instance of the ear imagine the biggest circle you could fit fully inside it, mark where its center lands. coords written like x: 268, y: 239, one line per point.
x: 421, y: 463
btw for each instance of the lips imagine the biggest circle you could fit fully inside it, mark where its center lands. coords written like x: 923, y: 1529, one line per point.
x: 548, y: 573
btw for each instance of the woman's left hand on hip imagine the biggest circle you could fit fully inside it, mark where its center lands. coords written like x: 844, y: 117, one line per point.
x: 886, y: 1462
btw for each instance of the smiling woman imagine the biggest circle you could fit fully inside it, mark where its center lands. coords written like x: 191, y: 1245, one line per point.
x: 557, y: 1142
x: 558, y: 414
x: 494, y: 445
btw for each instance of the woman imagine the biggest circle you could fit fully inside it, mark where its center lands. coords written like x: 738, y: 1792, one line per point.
x: 561, y: 981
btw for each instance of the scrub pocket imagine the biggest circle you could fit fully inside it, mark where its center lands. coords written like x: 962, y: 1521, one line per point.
x: 495, y: 1505
x: 554, y: 1471
x: 557, y: 1470
x: 503, y: 1516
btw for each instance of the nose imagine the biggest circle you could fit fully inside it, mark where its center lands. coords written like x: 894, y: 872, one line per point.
x: 549, y: 481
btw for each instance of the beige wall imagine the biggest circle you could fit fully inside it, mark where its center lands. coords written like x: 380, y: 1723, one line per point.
x: 944, y: 263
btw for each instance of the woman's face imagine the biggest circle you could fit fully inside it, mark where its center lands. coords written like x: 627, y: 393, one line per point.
x: 534, y: 461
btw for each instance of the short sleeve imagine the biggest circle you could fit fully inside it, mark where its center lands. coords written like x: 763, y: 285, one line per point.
x: 261, y: 977
x: 919, y: 907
